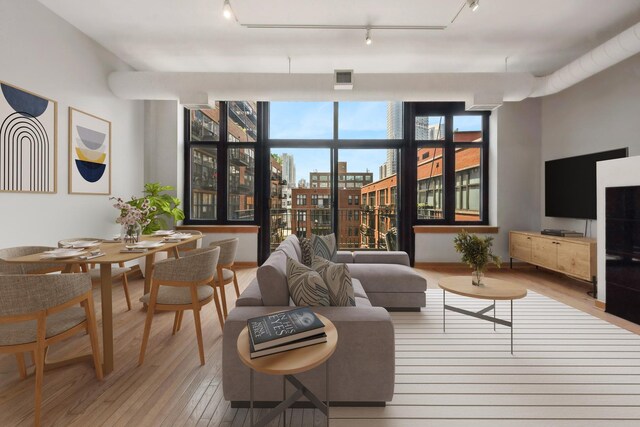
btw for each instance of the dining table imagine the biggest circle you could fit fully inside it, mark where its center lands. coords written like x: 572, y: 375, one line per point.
x: 114, y: 252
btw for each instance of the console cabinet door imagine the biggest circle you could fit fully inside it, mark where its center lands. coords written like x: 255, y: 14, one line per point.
x: 573, y: 259
x: 520, y: 246
x: 544, y: 252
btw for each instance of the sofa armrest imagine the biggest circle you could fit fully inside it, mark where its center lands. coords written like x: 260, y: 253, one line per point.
x: 362, y: 369
x: 251, y: 296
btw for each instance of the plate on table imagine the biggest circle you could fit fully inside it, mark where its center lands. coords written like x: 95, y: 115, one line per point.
x: 179, y: 236
x: 145, y: 245
x: 63, y: 253
x: 163, y: 232
x: 81, y: 244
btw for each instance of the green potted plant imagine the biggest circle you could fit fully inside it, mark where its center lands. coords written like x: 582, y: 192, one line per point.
x: 163, y: 207
x: 476, y: 252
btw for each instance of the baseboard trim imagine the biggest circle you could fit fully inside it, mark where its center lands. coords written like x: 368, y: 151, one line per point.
x: 405, y: 309
x: 305, y: 404
x: 601, y: 305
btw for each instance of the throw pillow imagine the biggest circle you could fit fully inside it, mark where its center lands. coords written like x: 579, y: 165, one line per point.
x: 325, y: 246
x: 338, y: 280
x: 305, y: 285
x: 307, y: 251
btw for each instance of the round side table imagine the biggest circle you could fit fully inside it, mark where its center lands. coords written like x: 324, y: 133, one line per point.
x: 288, y: 364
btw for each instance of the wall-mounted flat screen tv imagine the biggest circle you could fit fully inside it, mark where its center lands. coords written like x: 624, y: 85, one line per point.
x: 570, y: 184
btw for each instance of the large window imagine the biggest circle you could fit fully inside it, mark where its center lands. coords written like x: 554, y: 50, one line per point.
x: 221, y: 167
x: 451, y: 154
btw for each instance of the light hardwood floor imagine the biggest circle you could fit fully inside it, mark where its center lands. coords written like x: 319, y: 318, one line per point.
x: 171, y: 388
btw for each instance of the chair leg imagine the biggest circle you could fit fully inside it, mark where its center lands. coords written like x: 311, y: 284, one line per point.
x: 179, y: 321
x: 125, y: 287
x: 216, y: 300
x: 196, y: 319
x: 175, y: 322
x: 39, y: 362
x: 147, y: 324
x: 22, y: 367
x: 92, y: 330
x: 223, y: 298
x: 235, y: 284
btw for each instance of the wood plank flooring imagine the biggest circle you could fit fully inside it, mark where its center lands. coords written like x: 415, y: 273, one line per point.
x: 569, y: 369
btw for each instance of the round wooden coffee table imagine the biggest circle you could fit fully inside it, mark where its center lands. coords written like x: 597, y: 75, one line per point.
x: 492, y: 289
x: 288, y: 364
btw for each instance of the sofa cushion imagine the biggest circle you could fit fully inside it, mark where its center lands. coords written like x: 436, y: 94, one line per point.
x: 272, y: 280
x: 344, y: 257
x: 338, y: 281
x: 325, y: 246
x: 381, y: 257
x: 306, y: 286
x: 358, y: 290
x: 363, y: 302
x: 306, y: 250
x: 388, y: 278
x: 250, y: 297
x: 288, y: 247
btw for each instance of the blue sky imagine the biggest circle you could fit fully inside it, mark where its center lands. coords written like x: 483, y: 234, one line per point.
x: 357, y: 120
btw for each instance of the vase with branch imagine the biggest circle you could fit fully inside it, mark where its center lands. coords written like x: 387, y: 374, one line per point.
x: 477, y: 253
x: 133, y: 217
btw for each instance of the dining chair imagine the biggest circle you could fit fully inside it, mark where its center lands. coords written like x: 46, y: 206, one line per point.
x: 26, y: 268
x: 225, y: 273
x: 39, y: 310
x: 119, y: 272
x: 180, y: 284
x: 189, y: 246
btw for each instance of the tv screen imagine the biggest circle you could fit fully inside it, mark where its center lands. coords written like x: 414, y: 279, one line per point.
x: 570, y: 184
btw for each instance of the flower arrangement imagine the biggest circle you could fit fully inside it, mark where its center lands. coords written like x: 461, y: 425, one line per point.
x: 476, y: 252
x: 134, y: 215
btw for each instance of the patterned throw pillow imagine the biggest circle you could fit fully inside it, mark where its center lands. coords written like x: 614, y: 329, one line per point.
x: 307, y: 251
x: 325, y: 246
x: 338, y: 280
x: 305, y: 285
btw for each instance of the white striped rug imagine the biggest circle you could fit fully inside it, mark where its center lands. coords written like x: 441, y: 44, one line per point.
x: 568, y: 369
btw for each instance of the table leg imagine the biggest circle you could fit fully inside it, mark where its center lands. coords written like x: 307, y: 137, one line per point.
x: 444, y: 316
x: 106, y: 287
x: 251, y: 397
x: 511, y: 326
x: 148, y: 272
x: 326, y: 369
x: 494, y: 314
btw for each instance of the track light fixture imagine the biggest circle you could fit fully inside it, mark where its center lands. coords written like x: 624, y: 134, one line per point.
x: 367, y: 39
x: 473, y: 4
x: 227, y: 12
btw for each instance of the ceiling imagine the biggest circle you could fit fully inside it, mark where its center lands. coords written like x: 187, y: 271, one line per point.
x: 537, y: 36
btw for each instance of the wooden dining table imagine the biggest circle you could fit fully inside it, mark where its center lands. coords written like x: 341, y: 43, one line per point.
x: 113, y: 254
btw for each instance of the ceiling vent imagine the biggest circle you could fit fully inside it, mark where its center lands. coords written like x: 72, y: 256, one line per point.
x: 484, y: 102
x: 343, y: 79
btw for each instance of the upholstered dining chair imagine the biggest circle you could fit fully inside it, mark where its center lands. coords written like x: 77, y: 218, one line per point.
x: 26, y: 268
x: 189, y: 246
x: 39, y: 310
x: 119, y: 272
x: 225, y: 273
x: 181, y: 284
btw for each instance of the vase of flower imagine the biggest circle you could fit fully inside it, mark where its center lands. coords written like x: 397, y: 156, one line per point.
x: 131, y: 232
x: 476, y: 252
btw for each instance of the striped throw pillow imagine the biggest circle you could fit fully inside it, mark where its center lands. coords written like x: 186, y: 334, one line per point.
x: 325, y: 246
x: 306, y: 286
x: 338, y: 280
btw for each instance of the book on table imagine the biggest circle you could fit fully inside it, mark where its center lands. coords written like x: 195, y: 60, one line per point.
x: 304, y: 342
x: 283, y: 327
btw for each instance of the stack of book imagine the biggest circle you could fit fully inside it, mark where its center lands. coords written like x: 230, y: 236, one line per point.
x: 285, y: 330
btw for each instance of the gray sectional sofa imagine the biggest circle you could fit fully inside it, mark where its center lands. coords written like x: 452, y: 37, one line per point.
x: 362, y: 370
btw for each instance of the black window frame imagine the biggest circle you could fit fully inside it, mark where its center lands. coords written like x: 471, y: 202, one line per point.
x: 222, y: 147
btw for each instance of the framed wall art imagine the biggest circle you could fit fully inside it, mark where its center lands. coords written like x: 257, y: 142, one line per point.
x: 28, y: 141
x: 89, y: 153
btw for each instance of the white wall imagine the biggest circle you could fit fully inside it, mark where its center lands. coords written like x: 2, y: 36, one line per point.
x: 598, y: 114
x: 612, y: 173
x: 514, y: 177
x: 44, y: 54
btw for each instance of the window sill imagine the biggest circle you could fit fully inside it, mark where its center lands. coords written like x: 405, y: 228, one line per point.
x: 450, y: 229
x: 238, y: 229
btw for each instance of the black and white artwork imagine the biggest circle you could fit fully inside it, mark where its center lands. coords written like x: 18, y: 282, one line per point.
x: 28, y: 141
